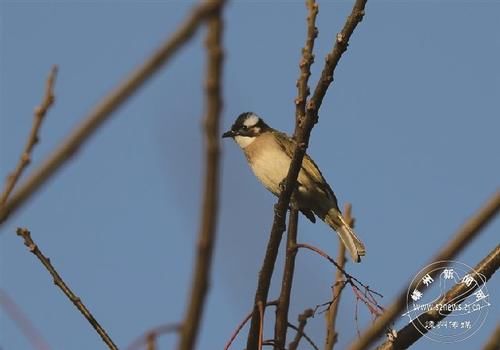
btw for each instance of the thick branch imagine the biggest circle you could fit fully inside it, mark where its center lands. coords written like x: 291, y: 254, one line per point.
x: 107, y: 106
x: 415, y: 329
x: 466, y: 233
x: 33, y: 138
x: 206, y: 237
x: 281, y: 324
x: 302, y: 135
x: 58, y: 281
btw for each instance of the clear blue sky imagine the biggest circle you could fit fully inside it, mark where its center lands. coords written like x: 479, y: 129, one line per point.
x: 408, y: 133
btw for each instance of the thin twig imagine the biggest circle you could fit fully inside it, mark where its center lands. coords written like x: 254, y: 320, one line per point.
x: 33, y: 138
x: 362, y: 291
x: 302, y: 140
x: 306, y: 337
x: 22, y: 322
x: 153, y: 333
x: 58, y: 281
x: 494, y: 340
x: 458, y: 293
x: 242, y: 324
x: 107, y: 106
x: 281, y: 324
x: 338, y: 287
x: 206, y: 236
x: 465, y: 234
x: 333, y: 58
x: 300, y: 331
x: 306, y: 61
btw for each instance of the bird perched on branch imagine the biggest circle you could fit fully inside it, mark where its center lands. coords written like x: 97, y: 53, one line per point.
x: 269, y: 153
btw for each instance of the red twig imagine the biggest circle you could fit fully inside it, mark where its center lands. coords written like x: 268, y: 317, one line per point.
x: 242, y: 324
x: 23, y: 323
x: 351, y: 280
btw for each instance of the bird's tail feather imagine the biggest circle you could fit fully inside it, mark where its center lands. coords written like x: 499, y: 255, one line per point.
x: 353, y: 244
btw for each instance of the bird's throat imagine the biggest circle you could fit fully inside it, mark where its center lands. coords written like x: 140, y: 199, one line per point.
x: 244, y: 141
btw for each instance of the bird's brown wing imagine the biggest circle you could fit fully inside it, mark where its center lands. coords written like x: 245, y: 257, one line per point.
x: 308, y: 166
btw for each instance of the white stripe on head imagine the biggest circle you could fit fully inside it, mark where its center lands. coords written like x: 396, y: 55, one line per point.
x: 244, y: 141
x: 251, y: 121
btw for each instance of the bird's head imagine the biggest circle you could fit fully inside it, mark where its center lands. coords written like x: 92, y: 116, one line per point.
x: 246, y: 128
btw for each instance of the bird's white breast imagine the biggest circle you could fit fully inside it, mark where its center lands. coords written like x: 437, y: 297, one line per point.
x: 270, y: 164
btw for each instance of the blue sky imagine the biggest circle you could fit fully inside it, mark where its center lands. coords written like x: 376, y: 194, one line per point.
x: 408, y: 133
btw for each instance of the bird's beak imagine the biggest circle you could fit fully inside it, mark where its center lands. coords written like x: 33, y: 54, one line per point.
x: 229, y: 133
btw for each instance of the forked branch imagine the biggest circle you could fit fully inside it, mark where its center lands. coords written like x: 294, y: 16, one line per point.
x: 338, y: 287
x: 107, y: 106
x: 301, y: 135
x: 33, y: 138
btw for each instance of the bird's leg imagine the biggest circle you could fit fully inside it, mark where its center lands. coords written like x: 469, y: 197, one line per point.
x: 282, y: 185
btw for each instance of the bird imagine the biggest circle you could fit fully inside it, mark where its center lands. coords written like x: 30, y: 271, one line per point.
x: 269, y: 153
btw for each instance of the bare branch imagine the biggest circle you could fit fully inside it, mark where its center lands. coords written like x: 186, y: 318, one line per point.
x: 464, y: 235
x: 494, y: 340
x: 151, y: 342
x: 305, y: 64
x: 415, y: 329
x: 306, y: 337
x: 206, y: 236
x: 261, y: 307
x: 331, y: 314
x: 58, y: 281
x: 149, y: 336
x: 281, y: 324
x: 301, y: 135
x: 300, y: 331
x: 107, y: 106
x: 33, y: 138
x: 242, y: 324
x: 333, y: 58
x: 23, y: 323
x: 362, y: 291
